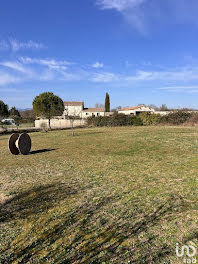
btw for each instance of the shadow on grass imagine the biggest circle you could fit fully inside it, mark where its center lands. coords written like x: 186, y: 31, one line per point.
x: 94, y: 237
x: 34, y: 201
x: 41, y: 151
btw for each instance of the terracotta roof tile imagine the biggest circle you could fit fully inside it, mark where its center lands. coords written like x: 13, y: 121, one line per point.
x: 130, y: 108
x: 73, y: 103
x: 93, y: 109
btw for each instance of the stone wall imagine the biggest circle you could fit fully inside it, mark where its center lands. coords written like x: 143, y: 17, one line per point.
x: 60, y: 123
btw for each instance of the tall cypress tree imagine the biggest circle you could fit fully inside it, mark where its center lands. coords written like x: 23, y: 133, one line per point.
x: 107, y: 103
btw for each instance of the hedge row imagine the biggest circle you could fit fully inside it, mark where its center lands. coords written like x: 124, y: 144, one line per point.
x: 143, y: 119
x: 177, y: 118
x: 115, y: 120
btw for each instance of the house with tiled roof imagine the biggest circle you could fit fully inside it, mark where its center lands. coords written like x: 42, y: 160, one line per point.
x: 136, y: 110
x: 73, y: 109
x: 77, y: 109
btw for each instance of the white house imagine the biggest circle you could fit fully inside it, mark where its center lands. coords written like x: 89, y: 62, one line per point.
x: 88, y: 112
x: 77, y: 109
x: 73, y: 109
x: 136, y: 110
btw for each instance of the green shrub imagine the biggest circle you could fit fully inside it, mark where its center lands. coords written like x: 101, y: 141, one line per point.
x: 176, y: 118
x: 193, y: 120
x: 44, y: 127
x: 119, y: 120
x: 98, y: 121
x: 149, y: 119
x: 115, y: 120
x: 134, y: 121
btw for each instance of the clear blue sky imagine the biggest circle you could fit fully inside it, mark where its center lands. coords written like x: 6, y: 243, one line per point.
x: 140, y: 51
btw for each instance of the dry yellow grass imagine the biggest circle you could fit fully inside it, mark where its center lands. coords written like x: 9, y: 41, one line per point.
x: 106, y: 195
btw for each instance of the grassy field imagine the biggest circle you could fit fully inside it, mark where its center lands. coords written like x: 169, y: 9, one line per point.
x: 106, y: 195
x: 24, y: 125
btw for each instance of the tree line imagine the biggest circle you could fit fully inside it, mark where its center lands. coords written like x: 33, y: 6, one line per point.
x: 45, y: 105
x: 5, y: 111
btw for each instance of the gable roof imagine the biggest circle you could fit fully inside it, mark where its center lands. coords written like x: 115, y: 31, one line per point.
x: 69, y: 103
x: 93, y: 110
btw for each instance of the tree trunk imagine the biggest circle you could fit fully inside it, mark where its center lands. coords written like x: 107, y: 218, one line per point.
x: 72, y: 129
x: 49, y: 123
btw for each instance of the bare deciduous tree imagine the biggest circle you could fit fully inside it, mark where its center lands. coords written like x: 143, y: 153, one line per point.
x: 71, y: 118
x: 98, y: 105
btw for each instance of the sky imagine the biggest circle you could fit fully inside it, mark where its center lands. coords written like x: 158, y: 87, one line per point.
x: 139, y: 51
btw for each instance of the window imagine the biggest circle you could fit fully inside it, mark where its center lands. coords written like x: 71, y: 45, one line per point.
x: 98, y: 114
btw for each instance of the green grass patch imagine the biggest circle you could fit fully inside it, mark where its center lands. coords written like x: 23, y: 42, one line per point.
x: 106, y: 195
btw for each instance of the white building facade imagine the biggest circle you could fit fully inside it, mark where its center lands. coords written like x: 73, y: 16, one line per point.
x: 136, y: 110
x: 73, y: 109
x: 77, y: 109
x: 92, y: 112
